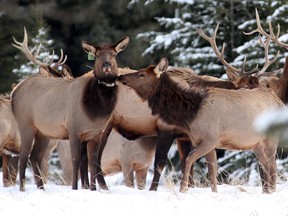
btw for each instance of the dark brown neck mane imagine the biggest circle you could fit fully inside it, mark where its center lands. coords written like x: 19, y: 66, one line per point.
x: 98, y: 99
x: 179, y: 102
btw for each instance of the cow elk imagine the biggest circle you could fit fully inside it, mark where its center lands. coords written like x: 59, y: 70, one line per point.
x: 119, y: 155
x: 210, y: 117
x: 132, y: 118
x: 78, y: 109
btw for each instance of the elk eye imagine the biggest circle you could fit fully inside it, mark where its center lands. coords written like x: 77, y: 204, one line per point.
x: 142, y: 75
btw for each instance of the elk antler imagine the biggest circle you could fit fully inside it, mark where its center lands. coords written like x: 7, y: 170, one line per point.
x: 259, y: 29
x: 212, y: 41
x: 267, y: 61
x: 33, y: 57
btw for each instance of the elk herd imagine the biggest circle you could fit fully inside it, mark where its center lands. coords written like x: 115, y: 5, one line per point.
x: 114, y: 119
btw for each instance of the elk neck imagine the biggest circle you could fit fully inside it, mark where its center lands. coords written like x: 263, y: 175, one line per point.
x: 173, y: 103
x: 99, y: 99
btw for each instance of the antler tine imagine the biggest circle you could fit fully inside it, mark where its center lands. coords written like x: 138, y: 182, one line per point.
x: 24, y: 48
x: 275, y: 38
x: 212, y: 41
x: 61, y: 61
x: 259, y: 29
x: 267, y: 61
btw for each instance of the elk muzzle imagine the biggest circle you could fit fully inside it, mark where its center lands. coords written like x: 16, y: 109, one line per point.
x: 106, y: 67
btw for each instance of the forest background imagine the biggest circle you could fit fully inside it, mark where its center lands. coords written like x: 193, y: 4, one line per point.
x: 157, y: 28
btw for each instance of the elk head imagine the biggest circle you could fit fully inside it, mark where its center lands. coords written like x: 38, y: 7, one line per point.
x: 145, y: 80
x: 105, y: 66
x: 48, y: 67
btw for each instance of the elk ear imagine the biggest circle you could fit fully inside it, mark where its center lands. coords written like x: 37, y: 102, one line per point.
x: 122, y: 44
x: 161, y: 66
x: 88, y: 48
x: 66, y: 72
x: 44, y: 71
x: 233, y: 77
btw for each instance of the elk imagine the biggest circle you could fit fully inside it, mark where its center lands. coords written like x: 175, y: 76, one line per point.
x: 9, y: 142
x: 132, y: 118
x: 255, y: 78
x: 191, y: 110
x: 54, y: 108
x: 119, y: 155
x: 9, y: 133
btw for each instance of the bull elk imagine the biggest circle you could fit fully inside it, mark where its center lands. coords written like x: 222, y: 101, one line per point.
x: 53, y: 108
x: 9, y: 133
x: 255, y: 78
x: 210, y: 117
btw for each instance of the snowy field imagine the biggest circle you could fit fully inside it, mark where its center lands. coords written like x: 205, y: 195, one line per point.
x: 120, y: 200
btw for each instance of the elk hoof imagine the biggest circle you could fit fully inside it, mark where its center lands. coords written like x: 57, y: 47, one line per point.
x: 104, y: 187
x: 22, y: 189
x: 183, y: 187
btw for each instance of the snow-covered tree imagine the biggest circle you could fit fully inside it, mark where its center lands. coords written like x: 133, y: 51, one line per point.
x: 180, y: 40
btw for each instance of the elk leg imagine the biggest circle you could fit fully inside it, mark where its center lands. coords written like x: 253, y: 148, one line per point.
x: 75, y: 147
x: 271, y: 150
x: 5, y: 170
x: 26, y: 145
x: 84, y: 167
x: 128, y: 175
x: 45, y: 161
x: 164, y: 142
x: 211, y: 159
x: 202, y: 149
x: 37, y: 154
x: 184, y: 147
x: 64, y: 154
x: 12, y: 169
x: 263, y: 167
x: 92, y: 149
x: 141, y: 175
x: 9, y: 169
x: 102, y: 142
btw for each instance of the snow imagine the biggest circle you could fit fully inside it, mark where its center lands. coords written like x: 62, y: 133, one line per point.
x: 120, y: 200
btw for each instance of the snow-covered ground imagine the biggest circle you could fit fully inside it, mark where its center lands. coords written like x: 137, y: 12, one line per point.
x: 120, y: 200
